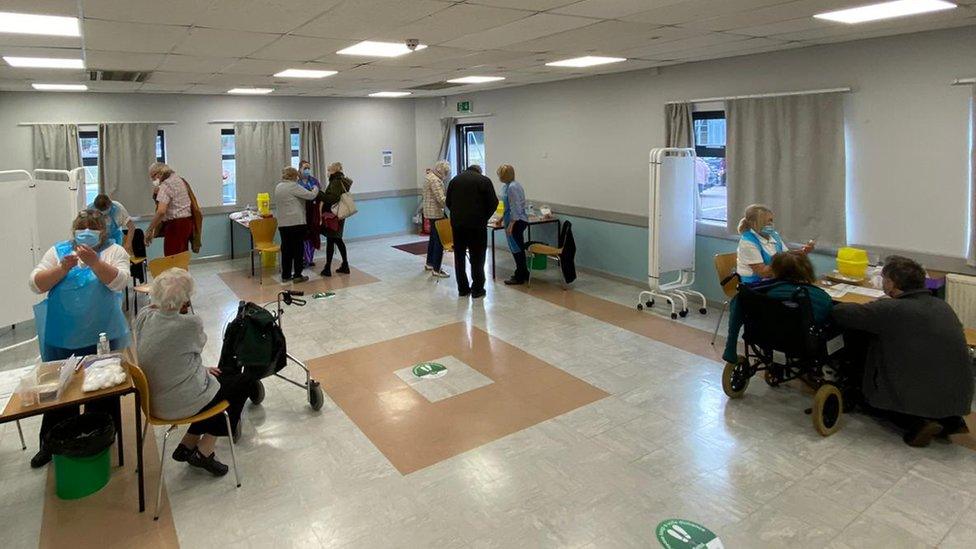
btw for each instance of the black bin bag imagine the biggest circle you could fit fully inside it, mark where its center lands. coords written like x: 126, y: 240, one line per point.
x: 81, y: 436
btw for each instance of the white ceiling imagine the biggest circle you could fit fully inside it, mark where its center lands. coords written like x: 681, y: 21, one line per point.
x: 209, y: 46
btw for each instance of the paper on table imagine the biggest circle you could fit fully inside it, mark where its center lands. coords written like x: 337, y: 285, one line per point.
x: 835, y: 292
x: 870, y: 292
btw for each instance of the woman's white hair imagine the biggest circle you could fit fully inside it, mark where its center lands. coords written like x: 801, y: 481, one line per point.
x: 171, y: 289
x: 442, y: 168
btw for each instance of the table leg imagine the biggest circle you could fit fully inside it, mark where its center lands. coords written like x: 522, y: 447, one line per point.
x: 118, y: 432
x: 139, y: 462
x: 232, y: 222
x: 493, y: 254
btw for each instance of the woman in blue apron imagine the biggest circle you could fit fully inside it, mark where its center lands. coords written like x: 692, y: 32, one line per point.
x: 515, y: 221
x: 83, y: 278
x: 116, y: 219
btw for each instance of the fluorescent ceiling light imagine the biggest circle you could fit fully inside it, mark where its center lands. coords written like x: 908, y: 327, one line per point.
x: 587, y: 61
x: 45, y: 62
x: 60, y: 87
x: 885, y: 10
x: 476, y: 79
x: 379, y: 49
x: 389, y: 94
x: 304, y: 73
x: 250, y: 91
x: 26, y: 23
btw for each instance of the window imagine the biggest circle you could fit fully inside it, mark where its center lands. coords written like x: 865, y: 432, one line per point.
x: 470, y: 146
x: 294, y: 148
x: 228, y: 168
x: 89, y: 159
x: 710, y: 166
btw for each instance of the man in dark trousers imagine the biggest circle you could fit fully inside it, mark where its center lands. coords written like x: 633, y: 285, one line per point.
x: 471, y: 199
x: 917, y: 368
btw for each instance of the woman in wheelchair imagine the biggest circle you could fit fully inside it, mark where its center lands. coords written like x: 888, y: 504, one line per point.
x: 791, y: 272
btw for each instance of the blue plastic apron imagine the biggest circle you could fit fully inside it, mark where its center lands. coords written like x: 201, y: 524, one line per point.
x: 507, y: 220
x: 750, y: 236
x: 114, y: 230
x: 77, y: 309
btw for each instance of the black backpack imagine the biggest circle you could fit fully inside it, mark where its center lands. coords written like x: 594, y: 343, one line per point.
x: 253, y: 343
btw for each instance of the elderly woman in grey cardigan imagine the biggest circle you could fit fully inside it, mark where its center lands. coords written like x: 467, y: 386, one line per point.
x: 169, y: 343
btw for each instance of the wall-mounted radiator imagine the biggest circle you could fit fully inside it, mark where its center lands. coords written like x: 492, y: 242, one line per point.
x: 961, y: 296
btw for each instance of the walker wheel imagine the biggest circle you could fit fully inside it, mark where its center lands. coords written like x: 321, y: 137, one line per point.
x: 683, y: 313
x: 703, y: 310
x: 257, y: 393
x: 640, y: 307
x: 828, y: 406
x: 315, y: 397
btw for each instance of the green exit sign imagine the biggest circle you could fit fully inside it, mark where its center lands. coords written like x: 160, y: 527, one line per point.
x: 464, y: 106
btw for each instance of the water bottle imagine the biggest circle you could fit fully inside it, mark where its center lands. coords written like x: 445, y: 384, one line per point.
x: 103, y: 346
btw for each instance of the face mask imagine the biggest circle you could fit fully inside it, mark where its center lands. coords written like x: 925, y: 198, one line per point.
x: 306, y: 172
x: 768, y: 230
x: 105, y: 212
x: 156, y: 182
x: 87, y: 237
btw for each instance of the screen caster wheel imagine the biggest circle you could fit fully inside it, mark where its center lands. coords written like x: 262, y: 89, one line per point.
x: 683, y: 313
x: 703, y: 310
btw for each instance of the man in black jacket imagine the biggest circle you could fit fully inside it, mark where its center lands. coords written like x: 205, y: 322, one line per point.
x: 471, y: 199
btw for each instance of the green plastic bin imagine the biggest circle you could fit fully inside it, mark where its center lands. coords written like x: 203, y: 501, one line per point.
x: 539, y: 262
x: 77, y: 477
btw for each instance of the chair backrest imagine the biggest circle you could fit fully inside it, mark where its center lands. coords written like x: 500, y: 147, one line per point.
x: 445, y: 232
x: 160, y: 264
x: 142, y: 385
x: 787, y: 326
x: 263, y: 230
x: 138, y: 244
x: 725, y: 269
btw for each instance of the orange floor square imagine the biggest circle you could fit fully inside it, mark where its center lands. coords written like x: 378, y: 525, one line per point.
x: 413, y: 432
x: 249, y: 288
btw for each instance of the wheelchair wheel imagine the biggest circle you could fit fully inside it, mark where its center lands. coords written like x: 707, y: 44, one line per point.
x: 735, y: 379
x: 257, y: 393
x: 771, y: 376
x: 828, y: 406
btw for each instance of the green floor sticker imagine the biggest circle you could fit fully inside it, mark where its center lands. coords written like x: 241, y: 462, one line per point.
x: 323, y: 295
x: 684, y: 534
x: 429, y: 370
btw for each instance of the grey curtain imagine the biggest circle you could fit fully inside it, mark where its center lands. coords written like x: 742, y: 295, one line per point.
x: 788, y: 153
x: 125, y: 152
x: 678, y: 130
x: 56, y: 147
x: 262, y: 150
x: 447, y: 126
x: 971, y: 256
x: 311, y: 147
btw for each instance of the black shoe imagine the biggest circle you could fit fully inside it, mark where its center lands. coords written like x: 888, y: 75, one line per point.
x: 476, y: 294
x: 182, y: 453
x: 208, y: 463
x: 344, y: 269
x: 514, y: 282
x: 464, y: 293
x: 921, y: 435
x: 285, y: 278
x: 40, y: 459
x: 326, y: 271
x: 299, y: 279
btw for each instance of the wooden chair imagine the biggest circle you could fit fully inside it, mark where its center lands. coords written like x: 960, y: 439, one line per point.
x: 142, y: 385
x: 263, y: 231
x: 729, y: 280
x: 156, y: 268
x: 551, y: 253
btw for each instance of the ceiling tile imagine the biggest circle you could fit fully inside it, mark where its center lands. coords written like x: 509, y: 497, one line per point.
x: 254, y: 66
x: 767, y: 15
x: 423, y: 57
x: 165, y: 12
x: 452, y: 23
x: 131, y: 37
x: 477, y: 59
x: 111, y: 60
x: 867, y: 30
x: 535, y: 5
x: 164, y: 77
x: 612, y: 9
x: 600, y: 37
x: 39, y: 41
x: 667, y: 49
x: 206, y: 89
x: 150, y: 87
x: 192, y: 63
x: 67, y: 8
x: 114, y: 87
x: 275, y: 16
x: 223, y: 43
x: 300, y: 48
x: 692, y: 10
x: 535, y: 26
x: 728, y: 49
x: 360, y: 19
x: 792, y: 25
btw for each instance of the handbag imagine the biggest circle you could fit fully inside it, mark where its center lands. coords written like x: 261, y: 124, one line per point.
x: 346, y: 206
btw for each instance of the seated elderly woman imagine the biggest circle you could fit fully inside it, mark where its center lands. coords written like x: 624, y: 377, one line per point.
x: 169, y: 343
x: 790, y: 271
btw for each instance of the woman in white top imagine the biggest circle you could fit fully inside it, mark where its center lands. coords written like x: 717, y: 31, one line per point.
x: 83, y: 278
x: 758, y: 243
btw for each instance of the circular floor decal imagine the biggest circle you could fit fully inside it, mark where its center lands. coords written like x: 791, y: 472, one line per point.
x: 429, y: 370
x: 684, y: 534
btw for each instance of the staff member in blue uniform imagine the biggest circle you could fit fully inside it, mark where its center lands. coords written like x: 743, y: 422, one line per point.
x: 83, y: 278
x: 116, y: 219
x: 758, y: 243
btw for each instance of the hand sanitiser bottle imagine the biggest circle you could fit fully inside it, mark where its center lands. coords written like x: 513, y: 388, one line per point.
x: 103, y: 346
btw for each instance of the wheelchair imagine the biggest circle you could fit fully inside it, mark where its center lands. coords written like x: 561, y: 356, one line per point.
x: 783, y: 342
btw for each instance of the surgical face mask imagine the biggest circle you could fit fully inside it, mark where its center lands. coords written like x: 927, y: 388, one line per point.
x: 306, y: 172
x: 768, y: 230
x: 87, y: 237
x: 156, y: 182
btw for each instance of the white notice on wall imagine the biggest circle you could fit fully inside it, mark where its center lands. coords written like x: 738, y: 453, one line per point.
x: 387, y: 158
